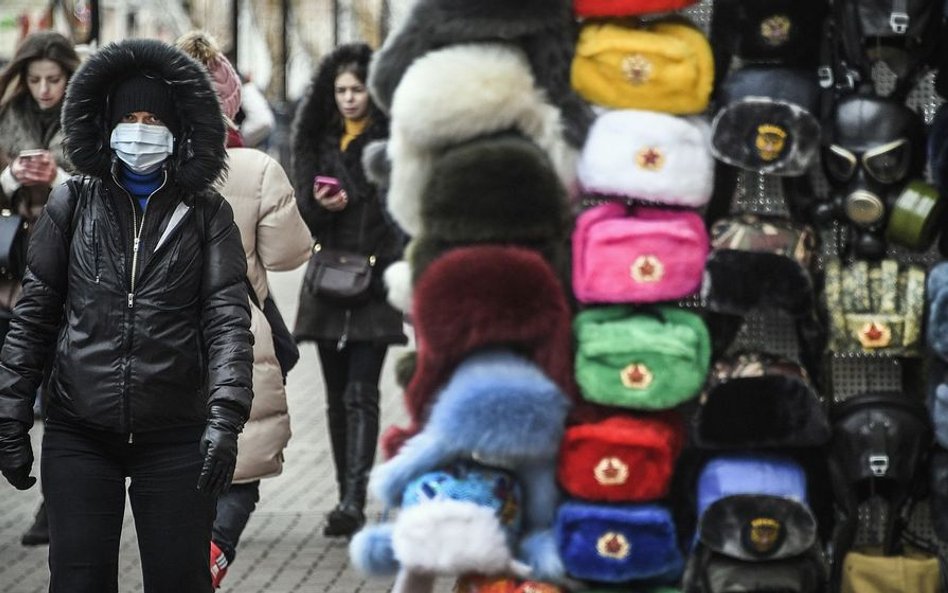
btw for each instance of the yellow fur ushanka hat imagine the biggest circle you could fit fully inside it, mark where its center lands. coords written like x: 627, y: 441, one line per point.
x: 664, y: 66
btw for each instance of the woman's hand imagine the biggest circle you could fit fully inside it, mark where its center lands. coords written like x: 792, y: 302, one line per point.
x: 34, y: 170
x: 333, y: 202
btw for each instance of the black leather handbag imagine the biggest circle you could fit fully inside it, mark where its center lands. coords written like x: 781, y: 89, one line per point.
x: 340, y: 275
x: 14, y: 237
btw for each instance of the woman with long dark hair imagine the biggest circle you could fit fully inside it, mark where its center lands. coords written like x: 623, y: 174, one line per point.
x: 32, y: 87
x: 334, y: 123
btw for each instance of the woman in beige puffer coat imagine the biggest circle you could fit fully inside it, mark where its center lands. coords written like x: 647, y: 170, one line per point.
x: 274, y: 238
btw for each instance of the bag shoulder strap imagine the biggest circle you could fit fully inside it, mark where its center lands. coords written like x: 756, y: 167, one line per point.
x: 81, y: 189
x: 253, y: 293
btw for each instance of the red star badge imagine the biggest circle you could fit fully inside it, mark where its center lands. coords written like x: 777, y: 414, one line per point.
x: 874, y: 335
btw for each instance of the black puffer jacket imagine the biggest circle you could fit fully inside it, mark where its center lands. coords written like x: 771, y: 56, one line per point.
x: 361, y: 227
x: 147, y: 342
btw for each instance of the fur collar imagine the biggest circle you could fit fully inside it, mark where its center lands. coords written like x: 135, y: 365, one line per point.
x: 200, y: 155
x: 20, y: 129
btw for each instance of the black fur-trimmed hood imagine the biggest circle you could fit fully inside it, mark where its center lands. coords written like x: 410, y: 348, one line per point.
x: 199, y: 157
x: 317, y: 118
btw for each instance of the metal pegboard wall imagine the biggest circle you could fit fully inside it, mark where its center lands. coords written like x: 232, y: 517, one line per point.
x: 775, y: 332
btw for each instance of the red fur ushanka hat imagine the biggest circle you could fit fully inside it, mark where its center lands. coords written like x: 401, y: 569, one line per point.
x: 475, y: 297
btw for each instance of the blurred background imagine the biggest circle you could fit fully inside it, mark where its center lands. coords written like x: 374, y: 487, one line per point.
x: 276, y: 44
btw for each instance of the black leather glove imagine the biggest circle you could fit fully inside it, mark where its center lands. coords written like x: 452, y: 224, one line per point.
x: 219, y: 447
x: 16, y: 454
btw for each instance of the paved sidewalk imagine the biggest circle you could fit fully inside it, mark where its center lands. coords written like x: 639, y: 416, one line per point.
x: 283, y: 549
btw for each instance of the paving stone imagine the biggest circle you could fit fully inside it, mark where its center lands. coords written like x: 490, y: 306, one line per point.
x: 283, y: 549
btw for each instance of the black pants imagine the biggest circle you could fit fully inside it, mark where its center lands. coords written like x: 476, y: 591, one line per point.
x: 234, y: 508
x: 358, y: 362
x: 84, y: 476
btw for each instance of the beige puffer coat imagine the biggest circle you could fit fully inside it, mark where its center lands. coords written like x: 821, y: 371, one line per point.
x: 274, y: 238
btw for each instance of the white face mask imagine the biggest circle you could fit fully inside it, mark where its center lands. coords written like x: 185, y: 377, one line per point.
x: 142, y: 147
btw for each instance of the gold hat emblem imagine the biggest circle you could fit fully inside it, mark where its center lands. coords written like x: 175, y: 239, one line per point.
x: 637, y: 69
x: 763, y: 535
x: 874, y: 335
x: 770, y: 141
x: 637, y: 376
x: 613, y: 545
x: 647, y: 268
x: 775, y: 30
x: 611, y: 471
x: 650, y: 159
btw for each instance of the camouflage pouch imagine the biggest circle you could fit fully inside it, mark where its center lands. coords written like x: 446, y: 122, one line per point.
x: 875, y: 308
x: 760, y: 262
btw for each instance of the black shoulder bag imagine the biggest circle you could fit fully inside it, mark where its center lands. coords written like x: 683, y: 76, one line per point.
x: 14, y: 237
x: 284, y: 346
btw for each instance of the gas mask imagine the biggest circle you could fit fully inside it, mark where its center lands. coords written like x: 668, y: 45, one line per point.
x: 872, y: 148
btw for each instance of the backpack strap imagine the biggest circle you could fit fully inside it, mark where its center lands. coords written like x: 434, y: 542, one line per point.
x: 81, y: 189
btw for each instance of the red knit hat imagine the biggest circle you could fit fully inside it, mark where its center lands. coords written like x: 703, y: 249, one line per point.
x: 474, y: 297
x: 599, y: 8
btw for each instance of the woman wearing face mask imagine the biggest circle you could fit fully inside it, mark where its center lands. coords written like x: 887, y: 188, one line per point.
x: 135, y: 290
x: 32, y: 88
x: 333, y: 124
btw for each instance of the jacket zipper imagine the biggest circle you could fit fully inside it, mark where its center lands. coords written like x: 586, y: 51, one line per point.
x: 95, y: 250
x: 136, y: 234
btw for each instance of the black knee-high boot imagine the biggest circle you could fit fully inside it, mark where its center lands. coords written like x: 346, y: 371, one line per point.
x: 338, y: 426
x: 362, y: 409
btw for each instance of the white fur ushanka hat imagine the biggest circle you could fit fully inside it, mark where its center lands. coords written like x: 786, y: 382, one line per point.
x: 648, y: 156
x: 457, y: 94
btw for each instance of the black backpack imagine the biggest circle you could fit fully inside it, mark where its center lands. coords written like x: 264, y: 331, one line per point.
x: 904, y: 34
x: 881, y: 442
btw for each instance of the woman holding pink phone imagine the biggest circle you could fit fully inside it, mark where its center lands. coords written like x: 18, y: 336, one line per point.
x: 32, y: 87
x: 334, y: 123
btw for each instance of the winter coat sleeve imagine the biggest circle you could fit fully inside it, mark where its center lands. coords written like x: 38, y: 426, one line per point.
x: 283, y: 241
x: 258, y: 117
x: 225, y: 315
x: 38, y: 314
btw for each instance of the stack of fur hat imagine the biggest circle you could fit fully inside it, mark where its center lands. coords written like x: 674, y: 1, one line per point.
x: 638, y: 249
x: 478, y: 169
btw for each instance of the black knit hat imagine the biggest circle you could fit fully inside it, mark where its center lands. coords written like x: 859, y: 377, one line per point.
x: 144, y: 93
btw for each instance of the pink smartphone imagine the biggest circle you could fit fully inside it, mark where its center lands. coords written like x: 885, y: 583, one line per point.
x: 330, y: 182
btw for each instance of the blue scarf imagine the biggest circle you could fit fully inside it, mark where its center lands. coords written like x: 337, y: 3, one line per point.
x: 140, y: 186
